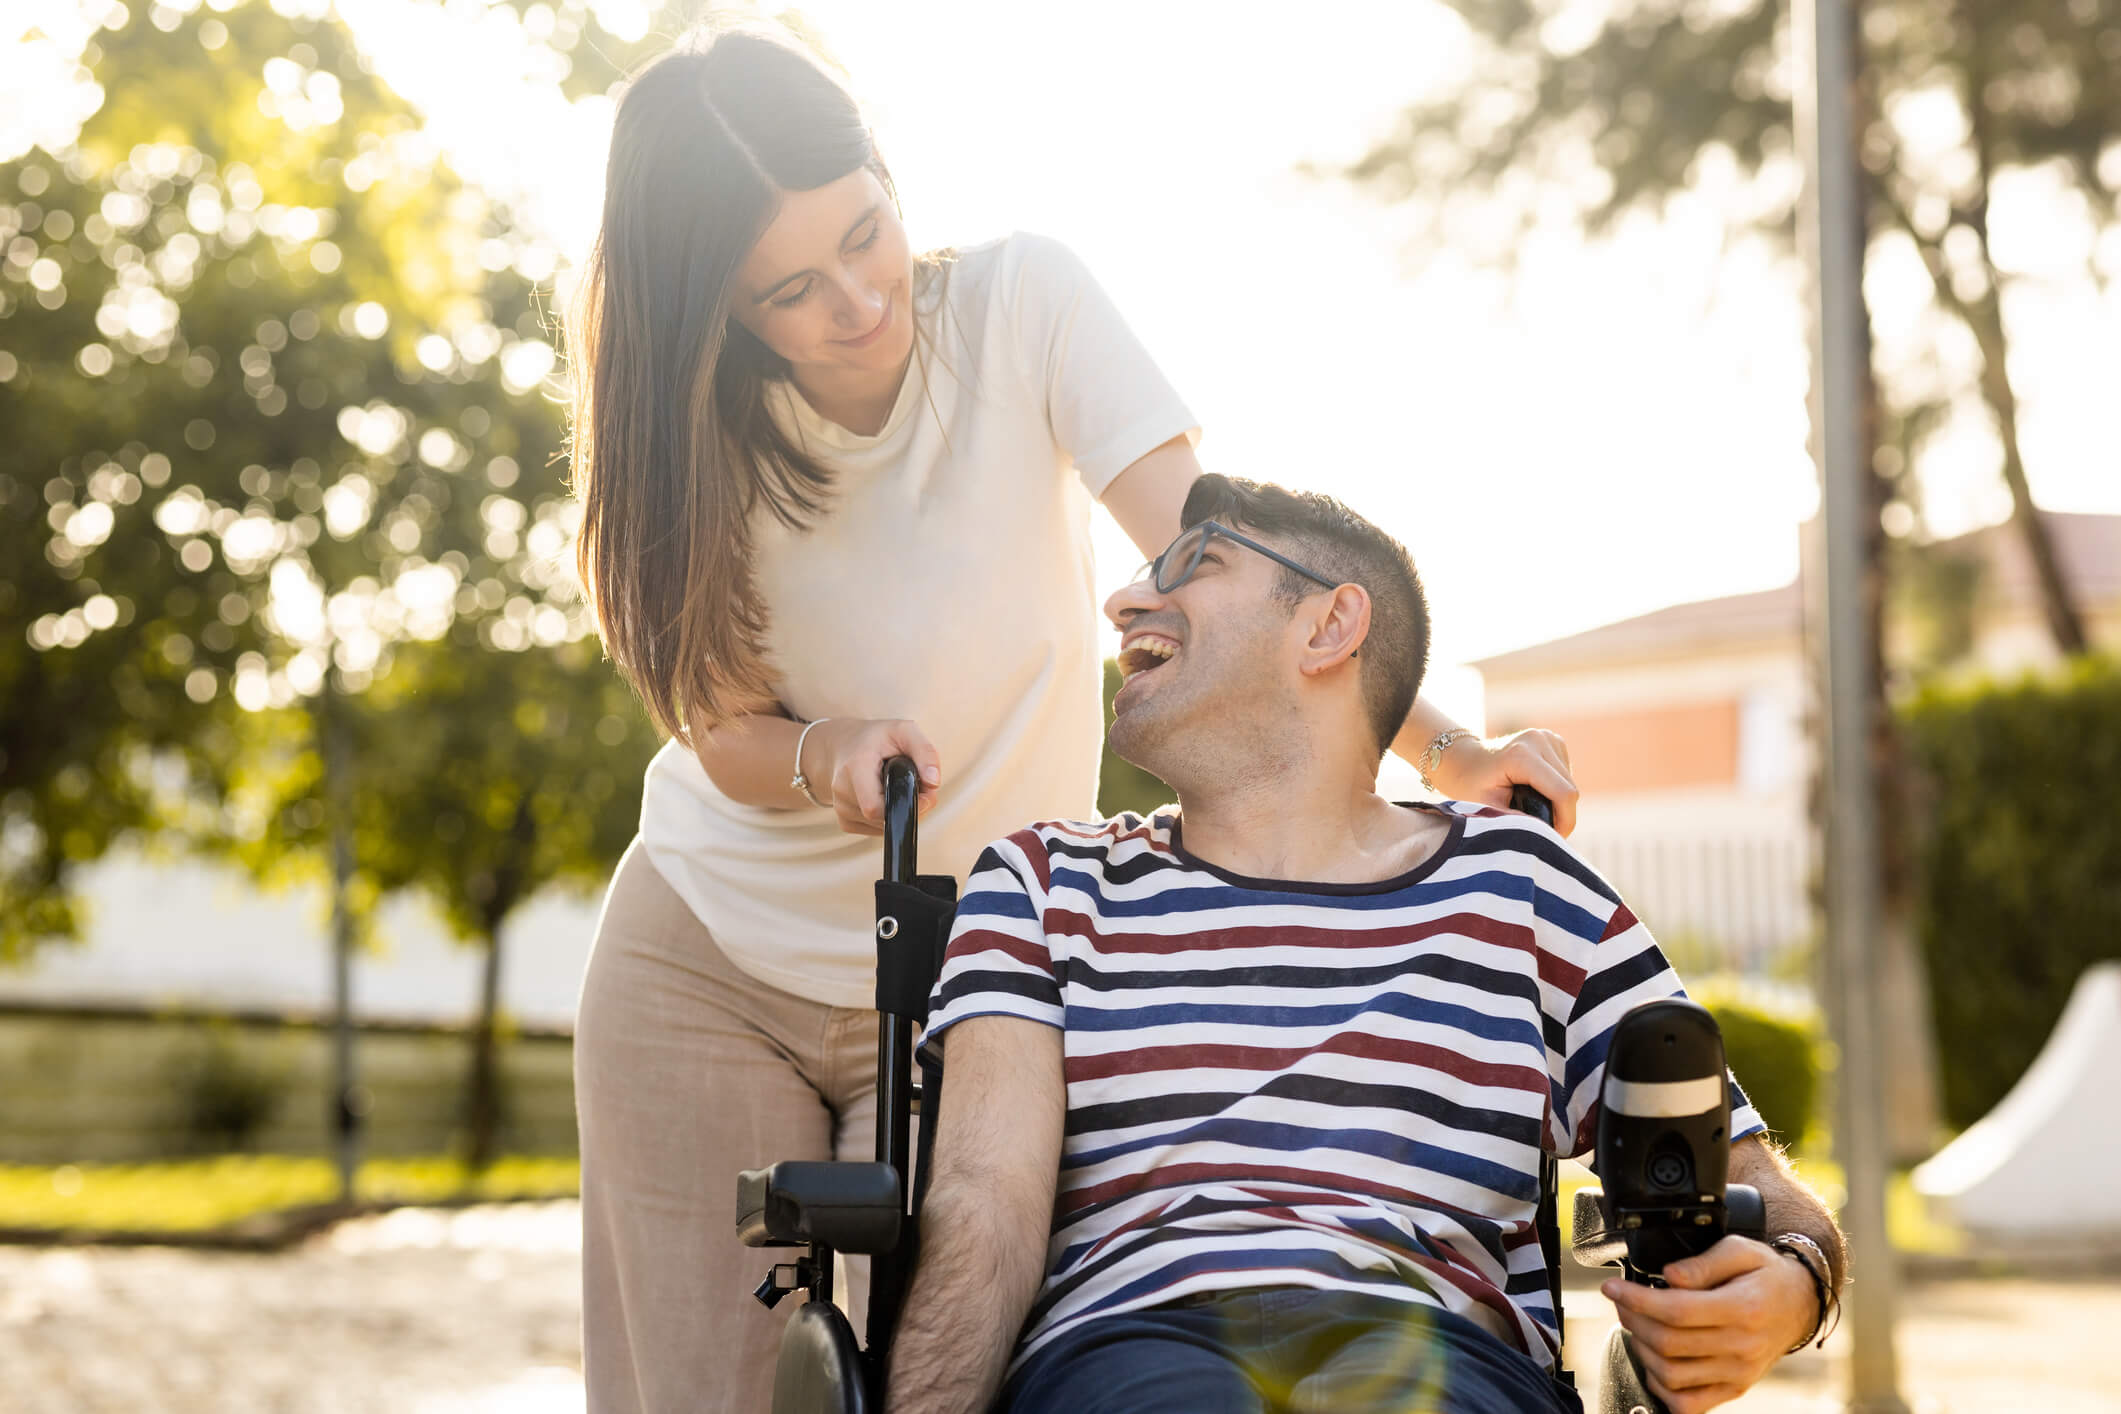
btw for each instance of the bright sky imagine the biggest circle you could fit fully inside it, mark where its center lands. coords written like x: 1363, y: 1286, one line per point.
x: 1620, y: 428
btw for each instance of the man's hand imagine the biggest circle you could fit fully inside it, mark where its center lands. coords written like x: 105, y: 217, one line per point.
x: 1727, y: 1315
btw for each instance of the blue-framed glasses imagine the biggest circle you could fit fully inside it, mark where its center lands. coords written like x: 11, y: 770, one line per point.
x: 1182, y: 557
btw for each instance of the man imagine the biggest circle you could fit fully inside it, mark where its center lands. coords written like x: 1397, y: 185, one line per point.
x: 1246, y: 1101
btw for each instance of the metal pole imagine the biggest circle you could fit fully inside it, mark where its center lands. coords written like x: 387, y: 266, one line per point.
x: 1830, y: 229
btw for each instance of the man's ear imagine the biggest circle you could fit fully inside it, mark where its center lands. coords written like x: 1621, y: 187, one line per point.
x: 1338, y: 627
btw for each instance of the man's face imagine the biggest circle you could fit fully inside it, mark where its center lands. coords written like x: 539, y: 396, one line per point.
x: 1210, y: 666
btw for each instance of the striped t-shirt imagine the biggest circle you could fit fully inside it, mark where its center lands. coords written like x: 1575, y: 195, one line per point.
x: 1277, y: 1084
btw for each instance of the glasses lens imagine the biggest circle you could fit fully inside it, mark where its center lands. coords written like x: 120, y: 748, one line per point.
x: 1178, y: 561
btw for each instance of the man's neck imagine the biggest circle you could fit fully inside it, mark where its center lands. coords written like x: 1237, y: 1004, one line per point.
x: 1307, y: 821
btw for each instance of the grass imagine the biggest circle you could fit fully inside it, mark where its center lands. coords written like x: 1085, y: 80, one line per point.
x: 198, y: 1195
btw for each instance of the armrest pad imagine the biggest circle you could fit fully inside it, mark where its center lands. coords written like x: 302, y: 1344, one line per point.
x: 1594, y: 1243
x: 846, y: 1206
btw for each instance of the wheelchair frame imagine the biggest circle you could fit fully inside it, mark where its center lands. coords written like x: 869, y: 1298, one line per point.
x: 824, y: 1207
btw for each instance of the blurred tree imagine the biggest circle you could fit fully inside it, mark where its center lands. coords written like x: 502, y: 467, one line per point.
x: 484, y: 775
x: 269, y: 409
x: 1605, y: 111
x: 270, y: 417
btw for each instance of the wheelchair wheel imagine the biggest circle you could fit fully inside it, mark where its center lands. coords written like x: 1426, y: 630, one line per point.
x: 821, y: 1370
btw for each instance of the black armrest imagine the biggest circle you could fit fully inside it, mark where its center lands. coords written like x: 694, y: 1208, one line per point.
x: 1594, y: 1242
x: 849, y: 1207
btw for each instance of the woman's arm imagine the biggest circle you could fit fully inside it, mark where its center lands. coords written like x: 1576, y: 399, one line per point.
x: 1146, y: 500
x: 751, y: 759
x: 1485, y: 768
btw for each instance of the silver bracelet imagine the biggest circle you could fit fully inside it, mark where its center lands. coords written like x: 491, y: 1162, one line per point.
x: 1432, y: 755
x: 801, y: 782
x: 1805, y: 1252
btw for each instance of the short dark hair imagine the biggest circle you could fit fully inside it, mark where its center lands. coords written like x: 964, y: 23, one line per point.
x: 1342, y: 546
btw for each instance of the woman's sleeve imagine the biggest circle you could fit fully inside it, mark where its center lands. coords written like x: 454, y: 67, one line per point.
x: 1106, y: 400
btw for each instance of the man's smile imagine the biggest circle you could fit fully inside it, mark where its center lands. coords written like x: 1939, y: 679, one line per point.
x: 1145, y: 649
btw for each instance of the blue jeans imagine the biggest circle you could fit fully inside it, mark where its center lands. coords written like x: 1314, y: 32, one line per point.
x: 1287, y: 1350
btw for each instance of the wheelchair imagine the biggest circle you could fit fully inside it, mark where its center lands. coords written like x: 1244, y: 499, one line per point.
x: 1664, y: 1163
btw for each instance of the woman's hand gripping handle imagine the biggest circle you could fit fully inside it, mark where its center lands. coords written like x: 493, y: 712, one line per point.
x: 848, y: 755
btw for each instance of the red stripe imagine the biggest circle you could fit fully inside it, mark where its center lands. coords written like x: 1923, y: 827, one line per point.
x: 1144, y: 1059
x: 1073, y: 1200
x: 1560, y: 974
x: 968, y: 944
x: 1621, y: 921
x: 1474, y: 926
x: 1034, y: 852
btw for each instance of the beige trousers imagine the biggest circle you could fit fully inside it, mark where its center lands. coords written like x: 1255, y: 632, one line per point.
x: 687, y: 1070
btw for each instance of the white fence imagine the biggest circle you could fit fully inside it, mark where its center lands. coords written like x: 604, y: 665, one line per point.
x: 1720, y: 898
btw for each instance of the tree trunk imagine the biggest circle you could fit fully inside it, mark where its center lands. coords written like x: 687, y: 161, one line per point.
x: 346, y: 1107
x: 482, y: 1107
x: 482, y: 1087
x: 1983, y: 316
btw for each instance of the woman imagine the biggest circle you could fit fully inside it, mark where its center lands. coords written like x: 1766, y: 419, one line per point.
x: 836, y: 508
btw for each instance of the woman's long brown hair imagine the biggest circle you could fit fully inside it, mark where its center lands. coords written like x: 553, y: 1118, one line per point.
x: 674, y: 447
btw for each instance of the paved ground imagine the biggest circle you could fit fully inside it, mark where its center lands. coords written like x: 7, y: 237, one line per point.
x: 474, y: 1312
x: 1966, y: 1347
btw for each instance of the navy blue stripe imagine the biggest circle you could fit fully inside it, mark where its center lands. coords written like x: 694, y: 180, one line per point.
x: 1226, y: 1259
x: 1492, y: 838
x: 960, y: 984
x: 1520, y: 1030
x: 1296, y: 1139
x: 1168, y: 1108
x: 1121, y: 974
x: 989, y: 903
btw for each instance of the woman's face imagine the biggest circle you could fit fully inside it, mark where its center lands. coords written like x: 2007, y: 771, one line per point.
x: 829, y: 285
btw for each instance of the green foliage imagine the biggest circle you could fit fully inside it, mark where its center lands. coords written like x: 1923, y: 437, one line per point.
x: 227, y: 1096
x: 483, y: 776
x: 268, y: 409
x: 1602, y: 112
x: 1656, y: 92
x: 1775, y: 1056
x: 2020, y: 864
x: 1122, y: 785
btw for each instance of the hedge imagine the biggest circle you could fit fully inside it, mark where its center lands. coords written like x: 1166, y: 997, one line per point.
x: 1776, y: 1059
x: 2018, y: 864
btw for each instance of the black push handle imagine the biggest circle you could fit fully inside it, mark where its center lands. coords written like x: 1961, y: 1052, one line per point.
x: 902, y: 819
x: 1532, y: 803
x: 891, y: 1271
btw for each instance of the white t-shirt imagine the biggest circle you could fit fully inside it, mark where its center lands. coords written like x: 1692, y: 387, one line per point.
x: 950, y: 583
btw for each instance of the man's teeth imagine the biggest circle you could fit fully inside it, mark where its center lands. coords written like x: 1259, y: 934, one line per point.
x: 1146, y: 654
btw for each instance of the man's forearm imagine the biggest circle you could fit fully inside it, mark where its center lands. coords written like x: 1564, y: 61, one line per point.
x: 979, y: 1270
x: 1791, y: 1207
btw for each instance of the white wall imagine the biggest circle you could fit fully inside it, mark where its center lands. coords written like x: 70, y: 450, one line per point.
x: 181, y: 934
